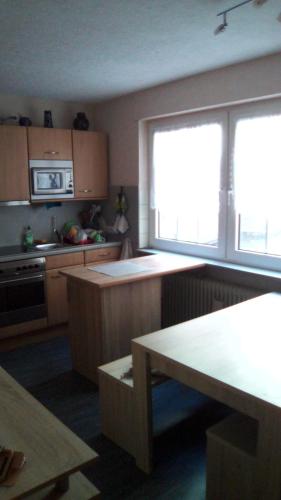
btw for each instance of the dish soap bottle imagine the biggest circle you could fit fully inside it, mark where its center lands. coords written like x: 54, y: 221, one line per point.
x: 28, y: 237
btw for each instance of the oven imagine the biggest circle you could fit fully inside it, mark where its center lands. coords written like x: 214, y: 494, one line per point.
x: 22, y: 291
x: 51, y: 179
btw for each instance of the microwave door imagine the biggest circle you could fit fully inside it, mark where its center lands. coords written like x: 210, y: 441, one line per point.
x: 48, y: 181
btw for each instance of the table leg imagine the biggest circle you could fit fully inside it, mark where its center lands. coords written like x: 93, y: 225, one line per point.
x: 268, y: 477
x: 143, y: 408
x: 62, y: 485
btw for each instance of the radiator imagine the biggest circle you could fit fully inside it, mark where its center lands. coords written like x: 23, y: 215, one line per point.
x: 186, y: 297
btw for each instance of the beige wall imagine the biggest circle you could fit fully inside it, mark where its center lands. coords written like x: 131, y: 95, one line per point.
x: 120, y: 117
x: 63, y: 112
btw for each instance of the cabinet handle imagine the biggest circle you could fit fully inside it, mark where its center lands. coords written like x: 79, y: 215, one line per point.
x: 51, y: 152
x: 85, y: 191
x: 104, y: 254
x: 57, y: 277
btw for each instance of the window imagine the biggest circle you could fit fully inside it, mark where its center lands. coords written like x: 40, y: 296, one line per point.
x: 215, y: 184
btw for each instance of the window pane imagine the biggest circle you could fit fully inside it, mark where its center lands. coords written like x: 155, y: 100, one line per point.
x: 257, y: 181
x: 186, y: 165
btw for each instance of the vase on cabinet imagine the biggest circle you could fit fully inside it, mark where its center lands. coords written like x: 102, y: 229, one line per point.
x: 48, y: 120
x: 81, y: 122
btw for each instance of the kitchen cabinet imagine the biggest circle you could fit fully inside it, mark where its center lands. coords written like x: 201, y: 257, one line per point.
x: 64, y: 260
x: 49, y: 144
x: 57, y: 297
x: 90, y: 165
x: 14, y: 185
x: 56, y: 285
x: 100, y: 255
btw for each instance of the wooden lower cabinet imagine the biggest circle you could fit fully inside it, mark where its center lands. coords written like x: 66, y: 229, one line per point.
x: 56, y: 284
x: 101, y: 255
x: 57, y: 297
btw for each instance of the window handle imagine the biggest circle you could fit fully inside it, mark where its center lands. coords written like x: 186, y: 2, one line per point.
x: 229, y: 197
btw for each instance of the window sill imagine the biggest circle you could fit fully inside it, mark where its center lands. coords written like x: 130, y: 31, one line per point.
x: 259, y: 272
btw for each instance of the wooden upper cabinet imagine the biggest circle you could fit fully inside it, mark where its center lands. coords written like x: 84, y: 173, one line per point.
x: 49, y: 144
x: 14, y: 184
x: 90, y: 164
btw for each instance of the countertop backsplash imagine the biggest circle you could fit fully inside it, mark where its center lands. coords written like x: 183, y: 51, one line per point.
x: 13, y: 219
x: 38, y: 217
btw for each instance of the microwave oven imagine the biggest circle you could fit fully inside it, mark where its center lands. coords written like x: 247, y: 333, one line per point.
x: 51, y: 179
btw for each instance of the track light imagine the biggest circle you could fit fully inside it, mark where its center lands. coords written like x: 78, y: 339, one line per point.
x: 257, y: 3
x: 221, y: 28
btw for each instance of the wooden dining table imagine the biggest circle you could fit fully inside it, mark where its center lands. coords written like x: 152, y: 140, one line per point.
x: 54, y: 454
x: 233, y: 356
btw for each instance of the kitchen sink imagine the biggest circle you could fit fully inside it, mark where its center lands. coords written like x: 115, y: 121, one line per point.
x: 47, y: 246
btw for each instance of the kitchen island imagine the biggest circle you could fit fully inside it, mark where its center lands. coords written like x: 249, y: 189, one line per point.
x: 107, y: 312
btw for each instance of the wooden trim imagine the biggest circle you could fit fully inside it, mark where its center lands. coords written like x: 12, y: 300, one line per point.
x: 11, y: 343
x: 18, y: 329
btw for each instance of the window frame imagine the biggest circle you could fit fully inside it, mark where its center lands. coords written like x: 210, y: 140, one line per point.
x: 177, y: 122
x: 227, y: 249
x: 244, y: 257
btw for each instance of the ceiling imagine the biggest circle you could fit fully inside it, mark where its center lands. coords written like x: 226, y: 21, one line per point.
x: 93, y: 50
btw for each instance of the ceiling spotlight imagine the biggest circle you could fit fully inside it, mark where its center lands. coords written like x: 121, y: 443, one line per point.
x: 221, y: 27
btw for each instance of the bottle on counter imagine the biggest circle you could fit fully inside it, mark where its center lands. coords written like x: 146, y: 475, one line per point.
x: 28, y: 237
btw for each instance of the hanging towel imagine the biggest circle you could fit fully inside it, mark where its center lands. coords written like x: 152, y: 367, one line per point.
x: 127, y: 251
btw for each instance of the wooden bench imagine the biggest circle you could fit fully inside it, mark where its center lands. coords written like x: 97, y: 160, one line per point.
x: 231, y: 458
x: 117, y: 402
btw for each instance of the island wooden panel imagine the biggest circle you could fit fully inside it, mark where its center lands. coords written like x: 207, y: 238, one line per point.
x: 103, y: 321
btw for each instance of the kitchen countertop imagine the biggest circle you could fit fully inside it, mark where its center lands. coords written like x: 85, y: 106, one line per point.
x: 156, y: 266
x: 17, y: 252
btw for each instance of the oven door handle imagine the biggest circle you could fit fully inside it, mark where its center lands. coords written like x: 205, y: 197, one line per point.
x: 30, y: 279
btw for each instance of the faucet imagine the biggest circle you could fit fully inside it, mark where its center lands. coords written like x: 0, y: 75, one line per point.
x: 55, y: 232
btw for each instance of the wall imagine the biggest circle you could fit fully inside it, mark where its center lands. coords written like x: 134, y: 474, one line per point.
x: 121, y: 117
x: 13, y: 220
x: 63, y: 113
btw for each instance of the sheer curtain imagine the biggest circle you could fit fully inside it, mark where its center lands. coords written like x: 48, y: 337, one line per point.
x: 186, y: 182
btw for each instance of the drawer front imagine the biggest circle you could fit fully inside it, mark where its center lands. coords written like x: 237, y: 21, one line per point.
x: 64, y: 260
x: 102, y: 254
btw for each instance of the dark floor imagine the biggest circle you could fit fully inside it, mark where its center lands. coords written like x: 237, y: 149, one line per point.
x: 181, y: 417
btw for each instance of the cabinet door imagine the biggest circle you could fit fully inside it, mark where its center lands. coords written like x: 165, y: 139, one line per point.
x: 57, y: 297
x: 102, y: 255
x: 49, y: 144
x: 14, y: 183
x: 90, y: 164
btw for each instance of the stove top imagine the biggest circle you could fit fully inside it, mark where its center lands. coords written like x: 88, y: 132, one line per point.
x: 13, y: 250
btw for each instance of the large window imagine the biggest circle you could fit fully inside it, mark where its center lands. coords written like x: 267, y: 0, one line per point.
x: 215, y: 184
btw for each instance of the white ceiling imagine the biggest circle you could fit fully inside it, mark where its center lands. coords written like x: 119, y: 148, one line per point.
x: 91, y: 50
